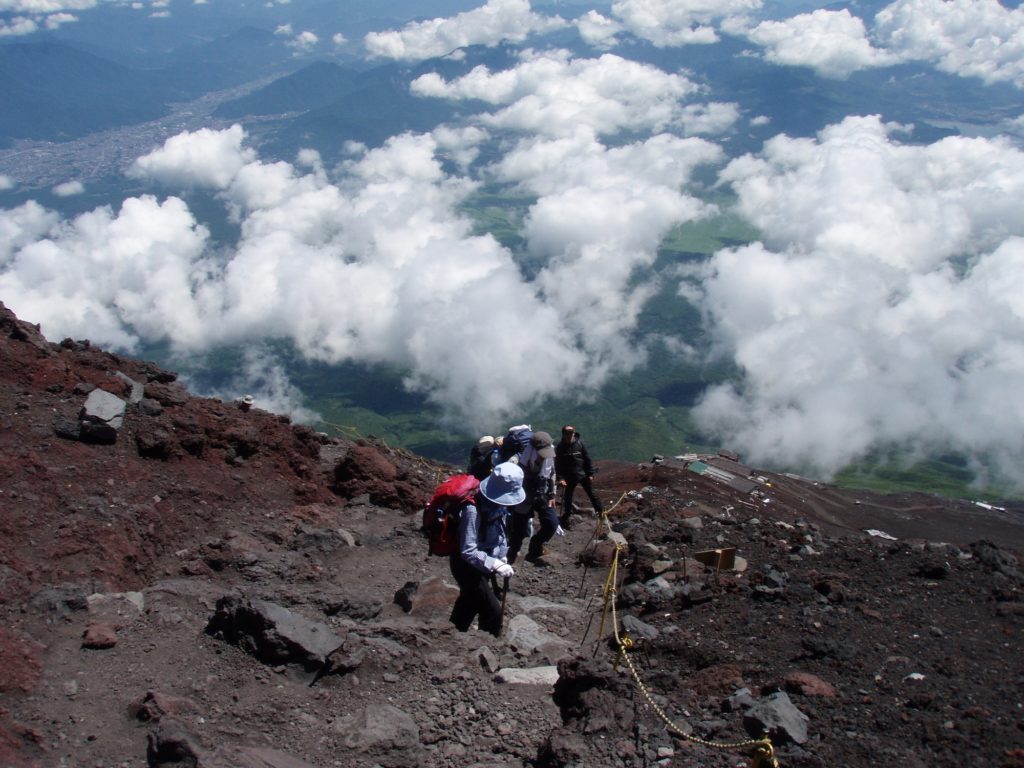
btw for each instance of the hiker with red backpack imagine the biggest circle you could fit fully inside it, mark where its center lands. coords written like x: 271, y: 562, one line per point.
x: 482, y: 545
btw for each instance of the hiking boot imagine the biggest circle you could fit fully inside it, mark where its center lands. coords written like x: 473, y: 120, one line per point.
x: 535, y: 552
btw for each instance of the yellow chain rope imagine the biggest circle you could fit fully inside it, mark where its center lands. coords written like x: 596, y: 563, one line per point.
x: 764, y: 752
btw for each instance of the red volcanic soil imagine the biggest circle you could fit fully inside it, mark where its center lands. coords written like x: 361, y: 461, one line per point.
x: 219, y: 587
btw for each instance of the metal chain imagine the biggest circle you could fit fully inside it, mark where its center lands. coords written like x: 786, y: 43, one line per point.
x: 764, y: 750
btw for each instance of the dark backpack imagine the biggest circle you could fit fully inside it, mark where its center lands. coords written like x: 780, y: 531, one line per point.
x: 515, y: 442
x: 441, y: 515
x: 480, y: 461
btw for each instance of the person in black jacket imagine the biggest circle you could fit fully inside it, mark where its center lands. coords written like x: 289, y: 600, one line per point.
x: 573, y: 467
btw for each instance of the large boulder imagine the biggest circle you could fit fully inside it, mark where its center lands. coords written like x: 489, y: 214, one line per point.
x: 275, y: 635
x: 365, y: 470
x: 102, y: 417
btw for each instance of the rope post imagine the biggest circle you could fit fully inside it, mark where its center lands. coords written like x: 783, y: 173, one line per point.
x: 763, y: 751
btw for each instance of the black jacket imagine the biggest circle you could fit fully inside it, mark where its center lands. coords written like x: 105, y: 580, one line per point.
x: 572, y: 462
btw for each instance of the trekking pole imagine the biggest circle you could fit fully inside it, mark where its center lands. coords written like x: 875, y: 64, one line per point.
x: 504, y: 596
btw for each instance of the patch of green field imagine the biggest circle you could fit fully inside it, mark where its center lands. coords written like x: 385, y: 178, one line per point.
x: 946, y: 476
x: 706, y: 236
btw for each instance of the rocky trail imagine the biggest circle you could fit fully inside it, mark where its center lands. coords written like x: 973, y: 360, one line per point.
x: 195, y: 584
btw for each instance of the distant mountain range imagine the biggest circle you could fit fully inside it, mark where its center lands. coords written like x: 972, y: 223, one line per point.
x: 53, y: 91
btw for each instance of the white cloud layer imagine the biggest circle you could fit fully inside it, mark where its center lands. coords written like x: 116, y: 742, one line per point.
x: 45, y: 6
x: 679, y: 22
x: 883, y: 308
x: 600, y: 216
x: 833, y: 43
x: 376, y: 267
x: 490, y: 24
x: 552, y: 94
x: 970, y: 38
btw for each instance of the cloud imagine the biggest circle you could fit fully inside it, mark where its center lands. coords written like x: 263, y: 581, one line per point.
x: 6, y: 182
x: 460, y: 144
x: 55, y: 20
x: 23, y: 225
x: 45, y: 6
x: 678, y: 22
x: 970, y: 38
x: 304, y: 41
x: 832, y: 43
x: 495, y: 22
x: 203, y: 158
x: 881, y: 310
x: 598, y: 30
x: 104, y: 270
x: 69, y: 189
x: 373, y: 262
x: 598, y: 221
x: 552, y: 94
x: 263, y: 377
x: 17, y: 27
x: 376, y: 265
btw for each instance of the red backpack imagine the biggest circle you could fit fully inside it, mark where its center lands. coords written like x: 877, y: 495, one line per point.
x: 441, y: 515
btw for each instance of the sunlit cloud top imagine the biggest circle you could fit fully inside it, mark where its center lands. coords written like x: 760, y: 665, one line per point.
x: 490, y: 24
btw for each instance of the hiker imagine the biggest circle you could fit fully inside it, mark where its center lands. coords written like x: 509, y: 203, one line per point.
x: 483, y: 544
x: 514, y: 444
x: 538, y: 463
x: 481, y: 457
x: 573, y: 467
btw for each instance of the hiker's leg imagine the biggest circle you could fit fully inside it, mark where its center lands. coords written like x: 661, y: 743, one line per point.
x: 490, y: 608
x: 548, y: 522
x: 589, y: 489
x: 570, y: 489
x: 467, y: 603
x: 548, y: 526
x: 519, y: 527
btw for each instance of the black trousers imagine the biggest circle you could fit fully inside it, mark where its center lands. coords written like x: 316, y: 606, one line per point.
x: 570, y: 489
x: 520, y: 528
x: 477, y: 597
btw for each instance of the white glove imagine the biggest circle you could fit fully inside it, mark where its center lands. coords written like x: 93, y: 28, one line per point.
x: 560, y: 531
x: 504, y: 570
